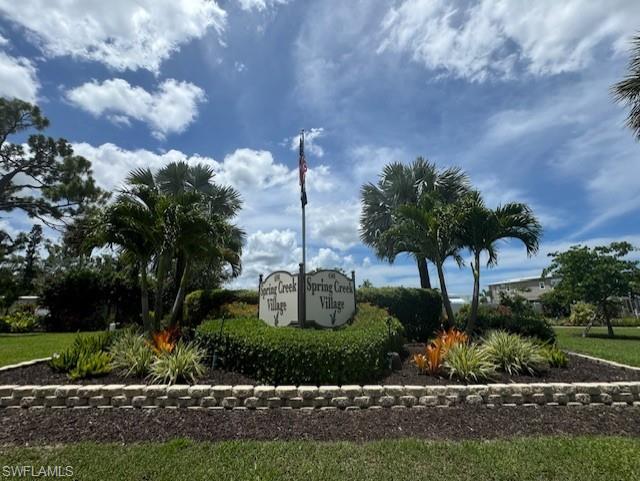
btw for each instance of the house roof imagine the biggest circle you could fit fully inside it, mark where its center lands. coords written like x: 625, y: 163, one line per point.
x: 521, y: 279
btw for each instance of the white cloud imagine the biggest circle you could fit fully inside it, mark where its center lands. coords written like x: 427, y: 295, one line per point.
x: 254, y: 170
x: 585, y: 142
x: 260, y: 4
x: 311, y: 137
x: 18, y: 78
x: 123, y: 34
x: 170, y: 109
x: 491, y: 37
x: 336, y: 226
x: 369, y: 160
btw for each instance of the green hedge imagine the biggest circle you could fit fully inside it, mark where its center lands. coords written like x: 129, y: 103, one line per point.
x: 286, y: 355
x: 490, y: 318
x: 419, y: 310
x: 201, y: 304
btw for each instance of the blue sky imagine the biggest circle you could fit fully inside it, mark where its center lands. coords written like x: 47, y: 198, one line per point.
x: 516, y: 93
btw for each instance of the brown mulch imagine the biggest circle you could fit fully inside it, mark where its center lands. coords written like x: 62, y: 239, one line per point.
x: 579, y: 370
x: 41, y: 373
x: 29, y: 427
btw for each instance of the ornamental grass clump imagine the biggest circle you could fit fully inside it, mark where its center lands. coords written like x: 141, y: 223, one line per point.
x: 432, y: 360
x: 469, y: 363
x: 91, y: 365
x: 513, y: 353
x: 554, y: 356
x: 83, y: 347
x: 183, y: 364
x: 132, y: 353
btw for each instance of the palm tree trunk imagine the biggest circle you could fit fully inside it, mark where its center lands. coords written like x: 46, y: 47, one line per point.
x: 144, y: 293
x: 445, y: 295
x: 423, y: 269
x: 473, y: 316
x: 182, y: 291
x: 161, y: 277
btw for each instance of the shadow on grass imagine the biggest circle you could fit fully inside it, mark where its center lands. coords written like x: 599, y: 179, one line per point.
x: 616, y: 337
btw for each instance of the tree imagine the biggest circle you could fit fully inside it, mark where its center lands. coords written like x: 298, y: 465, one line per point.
x: 480, y: 228
x: 595, y: 275
x: 427, y: 229
x: 398, y: 185
x: 176, y: 180
x: 180, y: 214
x: 627, y: 90
x: 42, y: 178
x: 133, y: 224
x: 31, y: 257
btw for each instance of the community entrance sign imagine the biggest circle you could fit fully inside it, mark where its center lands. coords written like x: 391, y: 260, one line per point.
x: 279, y: 299
x: 329, y: 298
x: 326, y: 298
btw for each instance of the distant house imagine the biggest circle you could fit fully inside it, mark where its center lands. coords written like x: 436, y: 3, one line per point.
x: 531, y: 288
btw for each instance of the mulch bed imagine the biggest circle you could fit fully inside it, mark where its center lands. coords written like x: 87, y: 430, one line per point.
x: 42, y: 374
x: 579, y: 370
x: 28, y: 427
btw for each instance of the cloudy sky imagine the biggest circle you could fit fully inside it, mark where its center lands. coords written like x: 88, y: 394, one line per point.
x: 516, y: 93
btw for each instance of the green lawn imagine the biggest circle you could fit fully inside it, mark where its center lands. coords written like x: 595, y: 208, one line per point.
x: 624, y: 347
x: 24, y: 347
x: 579, y: 459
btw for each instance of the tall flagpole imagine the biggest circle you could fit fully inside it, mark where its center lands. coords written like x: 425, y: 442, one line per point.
x: 302, y: 302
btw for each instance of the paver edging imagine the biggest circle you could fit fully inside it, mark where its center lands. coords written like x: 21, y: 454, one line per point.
x: 248, y: 397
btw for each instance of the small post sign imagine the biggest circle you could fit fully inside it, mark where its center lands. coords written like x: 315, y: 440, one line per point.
x: 330, y: 298
x: 279, y: 299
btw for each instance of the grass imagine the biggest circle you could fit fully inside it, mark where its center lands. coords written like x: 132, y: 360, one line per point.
x: 624, y: 347
x: 567, y: 459
x: 24, y: 347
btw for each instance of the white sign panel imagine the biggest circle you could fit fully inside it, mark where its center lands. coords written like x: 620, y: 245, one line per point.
x: 331, y: 300
x: 279, y: 299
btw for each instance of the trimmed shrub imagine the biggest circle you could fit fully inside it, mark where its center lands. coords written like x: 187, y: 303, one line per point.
x: 513, y: 353
x: 469, y: 363
x: 20, y: 321
x: 4, y: 325
x: 200, y: 305
x: 356, y: 353
x: 419, y: 310
x: 582, y: 314
x: 85, y: 299
x: 183, y: 364
x: 238, y: 309
x: 502, y: 318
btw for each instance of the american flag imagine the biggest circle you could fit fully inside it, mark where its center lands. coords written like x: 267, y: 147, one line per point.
x: 302, y: 170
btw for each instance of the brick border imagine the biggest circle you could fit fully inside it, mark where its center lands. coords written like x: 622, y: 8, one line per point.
x: 24, y: 364
x: 348, y: 397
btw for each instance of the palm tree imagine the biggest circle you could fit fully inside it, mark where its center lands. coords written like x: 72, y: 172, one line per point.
x: 401, y: 184
x: 131, y: 223
x: 176, y: 213
x: 628, y: 89
x: 480, y: 228
x: 178, y: 179
x: 201, y: 235
x: 427, y: 229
